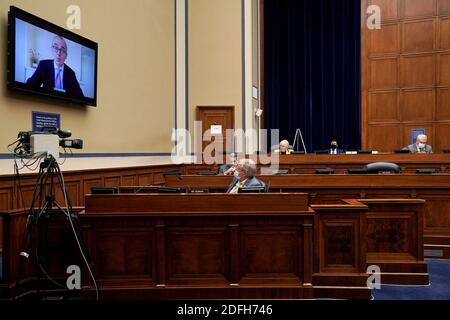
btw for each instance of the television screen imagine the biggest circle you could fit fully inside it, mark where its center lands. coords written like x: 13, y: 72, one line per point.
x: 49, y: 60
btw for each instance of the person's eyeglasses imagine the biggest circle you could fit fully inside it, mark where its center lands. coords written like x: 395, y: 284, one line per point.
x: 59, y: 50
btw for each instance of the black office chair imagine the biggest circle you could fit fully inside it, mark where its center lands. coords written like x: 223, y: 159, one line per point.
x: 380, y: 167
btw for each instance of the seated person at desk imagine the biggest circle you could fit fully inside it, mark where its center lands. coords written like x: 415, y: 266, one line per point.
x: 420, y: 146
x: 246, y: 169
x: 228, y: 168
x: 284, y: 148
x: 334, y: 147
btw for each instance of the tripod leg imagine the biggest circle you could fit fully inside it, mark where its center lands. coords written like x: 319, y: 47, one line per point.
x: 23, y: 253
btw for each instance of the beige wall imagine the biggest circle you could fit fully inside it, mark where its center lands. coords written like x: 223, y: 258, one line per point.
x: 136, y: 78
x: 215, y: 56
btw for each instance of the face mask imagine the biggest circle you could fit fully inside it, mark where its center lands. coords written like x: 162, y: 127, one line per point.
x: 421, y: 145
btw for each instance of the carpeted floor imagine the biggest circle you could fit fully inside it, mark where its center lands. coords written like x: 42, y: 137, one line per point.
x: 438, y: 289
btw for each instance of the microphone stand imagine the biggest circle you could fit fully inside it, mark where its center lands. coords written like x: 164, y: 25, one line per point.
x: 298, y: 133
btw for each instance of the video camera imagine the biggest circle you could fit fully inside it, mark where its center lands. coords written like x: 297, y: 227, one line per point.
x: 48, y: 141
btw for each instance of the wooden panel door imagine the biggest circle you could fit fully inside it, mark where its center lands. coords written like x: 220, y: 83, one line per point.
x: 216, y: 116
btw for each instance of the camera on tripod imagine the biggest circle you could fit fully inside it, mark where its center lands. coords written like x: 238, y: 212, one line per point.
x: 49, y: 141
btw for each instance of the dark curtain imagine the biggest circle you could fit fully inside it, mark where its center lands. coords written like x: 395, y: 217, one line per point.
x: 312, y: 71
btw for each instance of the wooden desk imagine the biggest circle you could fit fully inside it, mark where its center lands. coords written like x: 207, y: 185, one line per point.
x: 307, y: 164
x: 201, y: 245
x: 329, y: 189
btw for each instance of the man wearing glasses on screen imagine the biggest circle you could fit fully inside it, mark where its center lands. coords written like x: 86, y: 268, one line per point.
x: 55, y: 75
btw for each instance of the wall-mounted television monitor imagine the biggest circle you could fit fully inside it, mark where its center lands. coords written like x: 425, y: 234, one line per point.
x: 46, y: 59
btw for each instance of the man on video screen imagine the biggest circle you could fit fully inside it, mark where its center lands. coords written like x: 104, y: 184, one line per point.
x: 55, y: 75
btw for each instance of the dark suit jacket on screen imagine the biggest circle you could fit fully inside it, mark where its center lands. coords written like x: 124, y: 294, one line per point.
x: 45, y: 75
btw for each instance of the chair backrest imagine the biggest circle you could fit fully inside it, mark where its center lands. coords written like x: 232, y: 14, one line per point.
x: 377, y: 167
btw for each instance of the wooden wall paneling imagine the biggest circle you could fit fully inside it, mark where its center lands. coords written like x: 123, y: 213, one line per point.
x: 6, y: 198
x: 418, y: 36
x: 383, y: 73
x: 73, y: 189
x: 386, y: 40
x: 419, y: 8
x: 6, y: 203
x: 418, y: 104
x: 390, y: 9
x: 124, y: 254
x: 113, y: 182
x: 197, y: 255
x: 443, y: 104
x: 443, y: 7
x: 438, y: 210
x: 384, y: 106
x: 384, y: 137
x: 423, y: 29
x: 444, y: 33
x: 392, y: 233
x: 271, y: 253
x: 129, y: 180
x: 443, y: 132
x: 443, y: 69
x: 417, y: 70
x: 25, y: 196
x: 89, y: 183
x: 340, y: 242
x: 158, y: 178
x: 145, y: 179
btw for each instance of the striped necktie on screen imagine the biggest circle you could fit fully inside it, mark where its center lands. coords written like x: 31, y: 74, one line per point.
x: 58, y: 83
